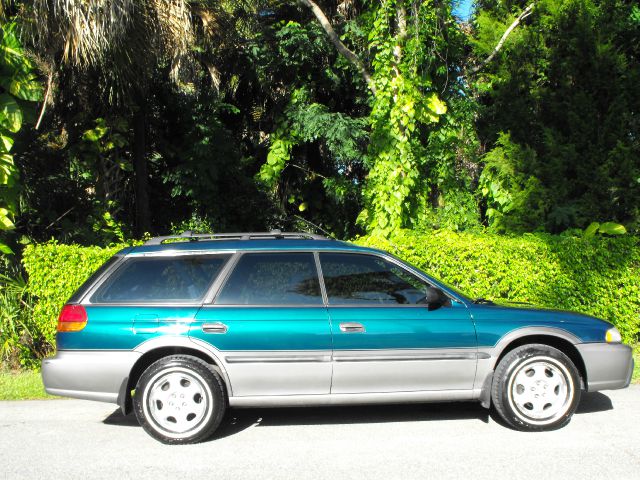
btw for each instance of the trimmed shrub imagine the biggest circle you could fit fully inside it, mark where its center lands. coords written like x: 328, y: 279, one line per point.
x: 55, y: 272
x: 599, y: 276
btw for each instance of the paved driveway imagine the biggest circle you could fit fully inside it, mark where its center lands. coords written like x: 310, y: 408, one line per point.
x: 71, y: 439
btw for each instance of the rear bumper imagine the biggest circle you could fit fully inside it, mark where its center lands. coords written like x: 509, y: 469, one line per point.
x: 89, y: 375
x: 609, y: 366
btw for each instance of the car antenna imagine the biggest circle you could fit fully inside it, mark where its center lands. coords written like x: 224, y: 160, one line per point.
x: 315, y: 226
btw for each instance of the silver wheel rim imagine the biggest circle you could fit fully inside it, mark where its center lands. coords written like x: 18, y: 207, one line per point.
x: 178, y: 402
x: 540, y: 390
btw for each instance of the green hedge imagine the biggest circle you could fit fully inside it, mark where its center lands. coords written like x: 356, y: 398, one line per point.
x: 598, y: 276
x: 55, y: 272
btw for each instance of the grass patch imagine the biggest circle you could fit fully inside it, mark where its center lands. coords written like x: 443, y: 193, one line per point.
x: 22, y: 385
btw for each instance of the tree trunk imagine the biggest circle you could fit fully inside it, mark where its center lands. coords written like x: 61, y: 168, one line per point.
x: 143, y: 217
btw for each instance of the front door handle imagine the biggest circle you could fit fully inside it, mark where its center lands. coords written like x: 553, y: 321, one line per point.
x: 216, y: 327
x: 351, y: 327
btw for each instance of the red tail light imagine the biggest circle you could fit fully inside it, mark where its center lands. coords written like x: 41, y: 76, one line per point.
x: 72, y: 318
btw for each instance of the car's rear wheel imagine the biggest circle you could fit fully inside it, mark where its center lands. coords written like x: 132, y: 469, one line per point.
x: 180, y: 399
x: 536, y: 387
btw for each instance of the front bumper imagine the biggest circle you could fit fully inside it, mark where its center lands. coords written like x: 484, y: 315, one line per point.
x: 609, y: 366
x: 89, y: 375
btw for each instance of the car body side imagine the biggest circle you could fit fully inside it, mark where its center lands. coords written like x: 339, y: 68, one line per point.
x: 103, y: 361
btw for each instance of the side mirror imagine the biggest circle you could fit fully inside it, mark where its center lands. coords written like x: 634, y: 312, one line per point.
x: 436, y: 298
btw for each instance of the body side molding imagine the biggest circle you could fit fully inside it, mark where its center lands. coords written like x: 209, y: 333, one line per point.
x: 354, y: 398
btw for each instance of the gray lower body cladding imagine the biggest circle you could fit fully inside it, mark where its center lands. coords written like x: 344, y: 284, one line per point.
x: 609, y: 366
x: 88, y: 375
x: 99, y: 375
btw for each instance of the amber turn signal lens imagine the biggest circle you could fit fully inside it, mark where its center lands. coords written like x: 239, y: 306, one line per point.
x: 613, y: 336
x: 72, y: 318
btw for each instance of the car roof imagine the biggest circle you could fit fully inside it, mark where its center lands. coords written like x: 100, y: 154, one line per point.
x: 209, y: 246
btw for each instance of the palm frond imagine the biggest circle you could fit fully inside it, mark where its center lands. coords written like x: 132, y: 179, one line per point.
x: 83, y: 30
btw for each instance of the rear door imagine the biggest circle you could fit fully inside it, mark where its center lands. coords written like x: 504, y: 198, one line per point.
x: 270, y: 325
x: 386, y: 338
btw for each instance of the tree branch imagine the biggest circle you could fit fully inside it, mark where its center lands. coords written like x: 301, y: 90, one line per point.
x: 335, y: 39
x: 46, y: 98
x: 525, y: 13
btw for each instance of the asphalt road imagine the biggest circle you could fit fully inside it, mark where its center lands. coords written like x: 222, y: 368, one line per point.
x: 72, y: 439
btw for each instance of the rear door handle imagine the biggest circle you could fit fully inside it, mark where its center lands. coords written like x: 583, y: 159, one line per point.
x: 351, y: 327
x: 216, y: 327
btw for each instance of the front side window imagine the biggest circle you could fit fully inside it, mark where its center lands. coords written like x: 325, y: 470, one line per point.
x: 161, y: 279
x: 272, y: 279
x: 368, y: 279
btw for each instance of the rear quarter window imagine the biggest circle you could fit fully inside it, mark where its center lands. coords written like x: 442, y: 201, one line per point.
x: 95, y: 276
x: 161, y: 279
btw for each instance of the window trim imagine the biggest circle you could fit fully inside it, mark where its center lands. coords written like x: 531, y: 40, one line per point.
x: 209, y: 299
x: 236, y: 260
x: 86, y: 299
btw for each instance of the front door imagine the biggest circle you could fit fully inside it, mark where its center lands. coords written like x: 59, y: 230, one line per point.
x: 385, y: 336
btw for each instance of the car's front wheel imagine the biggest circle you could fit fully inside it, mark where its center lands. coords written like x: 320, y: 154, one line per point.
x: 536, y: 387
x: 179, y: 399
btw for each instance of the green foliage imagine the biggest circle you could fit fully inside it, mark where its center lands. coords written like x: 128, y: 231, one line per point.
x: 317, y: 124
x: 194, y: 224
x: 18, y: 85
x: 269, y: 126
x: 55, y: 272
x: 206, y: 169
x: 456, y: 209
x: 515, y: 201
x: 606, y: 228
x: 305, y: 121
x: 99, y: 162
x: 277, y: 158
x: 404, y: 101
x: 598, y: 276
x: 22, y: 342
x: 564, y: 88
x: 422, y: 150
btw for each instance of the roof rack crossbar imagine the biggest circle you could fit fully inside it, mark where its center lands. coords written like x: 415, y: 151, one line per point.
x: 273, y: 234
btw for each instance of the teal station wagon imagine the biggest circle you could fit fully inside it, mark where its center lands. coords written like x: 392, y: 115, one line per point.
x: 182, y: 328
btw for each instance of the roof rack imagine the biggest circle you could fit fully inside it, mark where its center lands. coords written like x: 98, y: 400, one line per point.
x: 273, y: 234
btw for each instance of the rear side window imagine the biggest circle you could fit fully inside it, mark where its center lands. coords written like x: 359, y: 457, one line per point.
x: 161, y: 279
x: 367, y: 279
x: 77, y: 296
x: 272, y: 279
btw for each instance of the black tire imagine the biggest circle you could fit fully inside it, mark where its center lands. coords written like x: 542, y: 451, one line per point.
x: 536, y: 388
x: 180, y: 399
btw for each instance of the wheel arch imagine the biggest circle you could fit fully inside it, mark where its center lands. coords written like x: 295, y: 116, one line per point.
x: 554, y: 337
x: 155, y: 350
x: 555, y: 341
